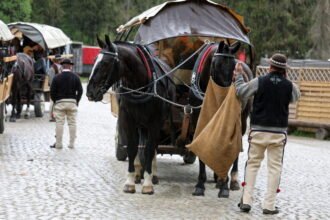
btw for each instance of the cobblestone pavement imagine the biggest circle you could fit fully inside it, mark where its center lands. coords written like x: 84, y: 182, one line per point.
x: 86, y: 183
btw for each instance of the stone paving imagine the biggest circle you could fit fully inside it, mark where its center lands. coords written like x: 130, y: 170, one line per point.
x: 86, y: 183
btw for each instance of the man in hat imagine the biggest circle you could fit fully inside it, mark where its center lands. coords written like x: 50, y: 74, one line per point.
x: 54, y: 69
x: 269, y: 121
x: 65, y: 91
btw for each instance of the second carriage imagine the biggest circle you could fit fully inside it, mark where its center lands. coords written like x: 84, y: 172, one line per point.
x: 43, y: 42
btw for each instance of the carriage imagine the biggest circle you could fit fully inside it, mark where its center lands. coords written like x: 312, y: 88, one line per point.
x: 176, y: 32
x: 51, y: 41
x: 5, y: 63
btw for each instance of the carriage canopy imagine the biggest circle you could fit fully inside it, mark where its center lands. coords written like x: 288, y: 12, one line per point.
x: 5, y: 34
x: 48, y: 37
x: 187, y: 18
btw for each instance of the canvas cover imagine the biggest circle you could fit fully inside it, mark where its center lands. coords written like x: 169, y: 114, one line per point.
x: 188, y: 17
x: 5, y: 34
x: 48, y: 37
x: 218, y: 135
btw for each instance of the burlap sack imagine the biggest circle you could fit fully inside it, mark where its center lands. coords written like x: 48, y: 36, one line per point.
x: 218, y: 138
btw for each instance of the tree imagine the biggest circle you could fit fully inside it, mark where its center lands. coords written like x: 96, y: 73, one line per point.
x: 320, y: 31
x: 277, y: 26
x: 15, y: 10
x: 47, y: 12
x: 84, y: 19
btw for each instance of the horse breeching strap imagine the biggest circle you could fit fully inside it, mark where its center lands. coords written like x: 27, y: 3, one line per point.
x: 181, y: 140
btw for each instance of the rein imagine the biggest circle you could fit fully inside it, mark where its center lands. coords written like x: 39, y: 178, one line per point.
x: 154, y: 93
x: 167, y: 74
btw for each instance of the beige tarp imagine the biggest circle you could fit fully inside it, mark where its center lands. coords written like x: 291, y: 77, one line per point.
x: 48, y: 37
x: 218, y: 138
x: 5, y: 34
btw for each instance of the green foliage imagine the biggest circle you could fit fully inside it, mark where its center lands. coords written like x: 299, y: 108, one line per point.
x: 320, y: 32
x: 277, y: 26
x: 15, y: 10
x: 299, y: 28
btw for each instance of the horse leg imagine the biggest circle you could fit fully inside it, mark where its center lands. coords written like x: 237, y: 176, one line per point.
x: 234, y: 185
x: 200, y: 187
x: 13, y: 112
x: 138, y: 169
x: 147, y: 187
x: 18, y: 105
x: 132, y: 149
x: 223, y: 185
x: 132, y: 137
x: 13, y: 103
x: 27, y: 111
x: 155, y: 179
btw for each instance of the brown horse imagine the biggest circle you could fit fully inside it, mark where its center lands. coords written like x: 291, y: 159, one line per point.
x: 23, y: 71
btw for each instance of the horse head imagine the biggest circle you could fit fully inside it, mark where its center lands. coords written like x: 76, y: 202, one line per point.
x: 105, y: 70
x: 223, y: 64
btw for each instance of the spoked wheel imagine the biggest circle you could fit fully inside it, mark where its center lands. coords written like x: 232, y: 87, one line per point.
x: 39, y: 104
x: 2, y: 118
x: 189, y: 157
x: 121, y: 151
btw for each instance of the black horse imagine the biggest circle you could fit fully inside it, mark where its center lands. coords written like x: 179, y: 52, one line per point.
x: 139, y: 114
x: 23, y: 72
x: 219, y: 63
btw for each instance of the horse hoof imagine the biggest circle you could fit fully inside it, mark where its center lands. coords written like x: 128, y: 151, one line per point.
x: 26, y: 116
x: 129, y: 189
x: 148, y: 190
x: 224, y: 193
x: 155, y: 180
x: 234, y: 185
x: 18, y: 116
x: 198, y: 192
x: 137, y: 179
x: 12, y: 119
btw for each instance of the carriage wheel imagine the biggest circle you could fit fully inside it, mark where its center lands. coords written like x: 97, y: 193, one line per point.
x: 39, y: 104
x: 321, y: 133
x: 2, y: 118
x: 189, y: 157
x: 121, y: 151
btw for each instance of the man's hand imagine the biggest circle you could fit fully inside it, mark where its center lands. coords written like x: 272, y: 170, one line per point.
x: 238, y: 70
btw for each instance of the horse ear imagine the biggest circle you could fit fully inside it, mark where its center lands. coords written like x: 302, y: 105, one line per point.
x: 220, y: 47
x: 235, y: 48
x: 108, y: 41
x: 100, y: 42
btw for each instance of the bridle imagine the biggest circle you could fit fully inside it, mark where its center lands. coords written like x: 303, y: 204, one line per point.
x: 114, y: 65
x: 227, y: 55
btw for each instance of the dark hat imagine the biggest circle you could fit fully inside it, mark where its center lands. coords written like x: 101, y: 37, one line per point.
x: 67, y: 61
x: 278, y: 60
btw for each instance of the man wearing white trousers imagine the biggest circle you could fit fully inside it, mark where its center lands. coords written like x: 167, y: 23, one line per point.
x: 269, y: 121
x: 66, y: 91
